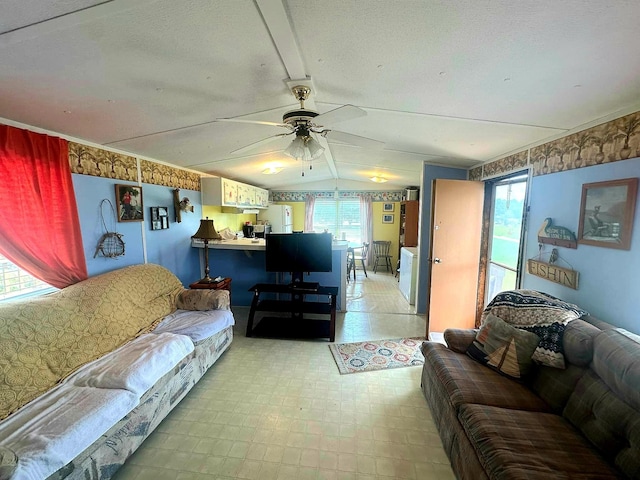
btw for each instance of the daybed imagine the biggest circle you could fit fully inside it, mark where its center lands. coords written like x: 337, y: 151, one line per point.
x: 88, y: 372
x: 577, y: 422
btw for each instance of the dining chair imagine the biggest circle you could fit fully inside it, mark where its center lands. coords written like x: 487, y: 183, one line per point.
x: 381, y: 255
x: 362, y: 256
x: 351, y: 263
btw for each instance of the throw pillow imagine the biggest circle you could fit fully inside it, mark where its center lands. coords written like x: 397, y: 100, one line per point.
x: 203, y: 300
x: 504, y: 348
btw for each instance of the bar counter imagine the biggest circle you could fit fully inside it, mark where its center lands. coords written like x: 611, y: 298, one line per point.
x: 243, y: 260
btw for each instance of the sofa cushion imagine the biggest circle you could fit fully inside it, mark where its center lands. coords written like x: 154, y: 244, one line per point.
x: 459, y: 339
x: 505, y: 348
x: 555, y: 385
x: 616, y: 359
x: 578, y: 341
x: 604, y: 404
x: 197, y: 325
x: 51, y: 431
x: 136, y: 366
x: 530, y: 445
x: 464, y: 380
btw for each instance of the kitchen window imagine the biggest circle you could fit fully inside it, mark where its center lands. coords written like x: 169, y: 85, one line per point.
x: 339, y: 217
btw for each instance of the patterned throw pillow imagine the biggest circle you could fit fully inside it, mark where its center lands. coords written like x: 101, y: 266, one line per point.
x: 203, y: 300
x: 504, y: 348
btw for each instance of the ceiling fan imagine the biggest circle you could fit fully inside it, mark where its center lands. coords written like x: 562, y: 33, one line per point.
x: 303, y: 123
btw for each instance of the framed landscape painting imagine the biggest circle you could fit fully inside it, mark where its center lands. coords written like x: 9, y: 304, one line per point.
x: 606, y: 213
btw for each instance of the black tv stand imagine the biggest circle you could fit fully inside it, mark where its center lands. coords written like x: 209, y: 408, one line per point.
x: 292, y: 300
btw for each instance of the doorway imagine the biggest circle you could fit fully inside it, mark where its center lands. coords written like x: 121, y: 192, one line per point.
x: 506, y: 235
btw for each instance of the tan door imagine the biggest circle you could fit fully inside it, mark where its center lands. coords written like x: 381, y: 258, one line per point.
x: 456, y: 228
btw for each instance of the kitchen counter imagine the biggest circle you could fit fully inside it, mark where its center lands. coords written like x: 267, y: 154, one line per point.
x: 243, y: 260
x: 249, y: 244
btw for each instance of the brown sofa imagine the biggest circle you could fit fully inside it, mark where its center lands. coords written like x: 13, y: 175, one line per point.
x: 581, y: 422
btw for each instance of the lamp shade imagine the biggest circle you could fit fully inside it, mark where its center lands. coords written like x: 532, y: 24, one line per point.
x: 315, y: 149
x: 207, y: 231
x: 304, y: 148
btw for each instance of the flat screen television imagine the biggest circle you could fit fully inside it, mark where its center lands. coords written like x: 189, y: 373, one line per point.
x: 298, y: 253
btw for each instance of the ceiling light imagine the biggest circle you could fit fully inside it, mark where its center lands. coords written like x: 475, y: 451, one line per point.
x: 272, y: 170
x: 304, y: 148
x: 378, y: 179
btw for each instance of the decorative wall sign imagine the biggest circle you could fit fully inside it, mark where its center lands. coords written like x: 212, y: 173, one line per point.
x: 556, y: 235
x: 553, y: 273
x: 606, y: 213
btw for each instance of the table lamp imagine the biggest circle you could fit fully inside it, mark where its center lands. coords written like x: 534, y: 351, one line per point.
x: 206, y: 232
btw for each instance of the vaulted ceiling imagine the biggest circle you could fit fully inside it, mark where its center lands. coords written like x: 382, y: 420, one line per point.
x: 450, y: 83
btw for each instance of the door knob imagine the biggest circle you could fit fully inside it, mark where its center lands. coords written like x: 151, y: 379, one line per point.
x: 437, y: 260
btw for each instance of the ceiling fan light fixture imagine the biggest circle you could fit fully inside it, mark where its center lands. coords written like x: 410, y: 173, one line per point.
x: 378, y: 179
x: 297, y: 149
x: 304, y: 148
x: 315, y: 149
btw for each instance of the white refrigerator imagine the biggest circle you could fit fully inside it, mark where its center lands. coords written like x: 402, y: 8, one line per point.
x: 408, y: 273
x: 280, y: 217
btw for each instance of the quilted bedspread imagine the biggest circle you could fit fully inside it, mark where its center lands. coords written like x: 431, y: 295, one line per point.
x: 44, y: 339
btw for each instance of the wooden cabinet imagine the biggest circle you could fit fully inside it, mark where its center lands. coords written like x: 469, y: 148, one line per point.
x: 409, y: 212
x: 218, y: 191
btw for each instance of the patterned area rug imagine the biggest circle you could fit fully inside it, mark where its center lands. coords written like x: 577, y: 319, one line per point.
x: 377, y: 354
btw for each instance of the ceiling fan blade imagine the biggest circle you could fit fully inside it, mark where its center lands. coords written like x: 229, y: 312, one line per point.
x: 354, y: 139
x: 257, y: 122
x: 264, y: 141
x: 340, y: 114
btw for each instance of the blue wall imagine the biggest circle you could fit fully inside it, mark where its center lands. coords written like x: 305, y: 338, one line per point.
x: 429, y: 174
x: 170, y: 248
x: 609, y: 278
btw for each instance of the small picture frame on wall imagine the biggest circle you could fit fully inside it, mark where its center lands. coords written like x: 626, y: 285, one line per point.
x: 387, y: 218
x: 606, y: 213
x: 387, y: 207
x: 129, y: 203
x: 159, y: 218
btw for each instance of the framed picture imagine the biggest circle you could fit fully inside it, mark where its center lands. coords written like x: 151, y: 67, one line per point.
x: 387, y: 218
x: 387, y: 207
x: 129, y: 203
x: 606, y: 213
x: 159, y: 218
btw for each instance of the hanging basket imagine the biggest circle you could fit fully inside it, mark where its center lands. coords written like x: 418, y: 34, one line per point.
x: 110, y: 244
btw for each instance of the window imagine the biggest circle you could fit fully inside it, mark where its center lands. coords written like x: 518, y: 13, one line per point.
x: 339, y: 217
x: 505, y: 254
x: 15, y: 282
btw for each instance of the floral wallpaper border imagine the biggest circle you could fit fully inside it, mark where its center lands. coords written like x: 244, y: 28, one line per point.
x: 376, y: 196
x: 86, y: 160
x: 609, y: 142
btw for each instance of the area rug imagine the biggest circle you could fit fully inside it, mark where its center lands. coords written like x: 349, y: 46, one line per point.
x: 377, y: 354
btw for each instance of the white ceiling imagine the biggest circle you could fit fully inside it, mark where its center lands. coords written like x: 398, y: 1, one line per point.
x: 454, y: 82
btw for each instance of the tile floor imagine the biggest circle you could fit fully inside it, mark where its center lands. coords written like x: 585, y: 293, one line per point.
x: 279, y: 409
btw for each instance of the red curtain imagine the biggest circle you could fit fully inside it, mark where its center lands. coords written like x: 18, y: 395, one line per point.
x: 39, y: 225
